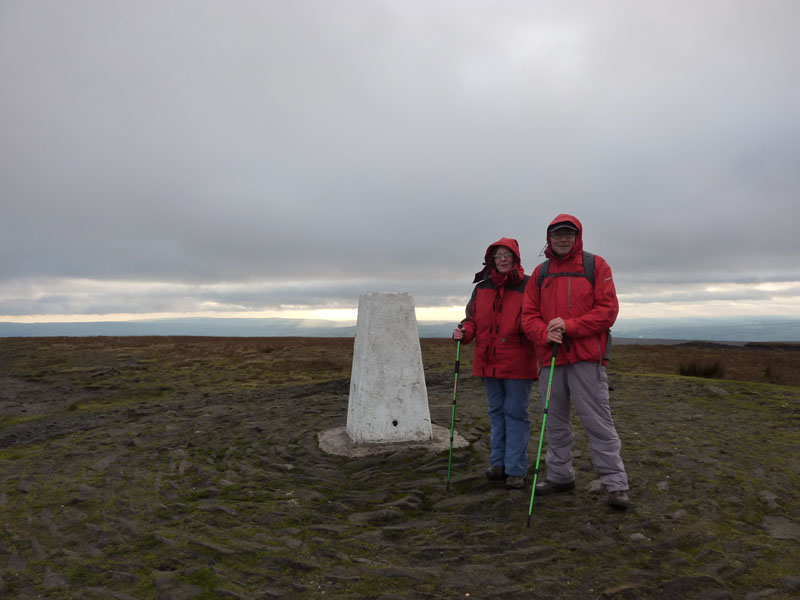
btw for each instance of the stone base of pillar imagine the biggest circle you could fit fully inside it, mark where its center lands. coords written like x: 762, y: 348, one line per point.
x: 337, y: 441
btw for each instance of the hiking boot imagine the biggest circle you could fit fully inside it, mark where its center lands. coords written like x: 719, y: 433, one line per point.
x: 515, y: 482
x: 549, y: 487
x: 495, y: 473
x: 619, y: 499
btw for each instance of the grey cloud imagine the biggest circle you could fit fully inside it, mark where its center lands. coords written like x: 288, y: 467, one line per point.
x: 95, y: 297
x: 191, y: 143
x: 695, y: 296
x: 82, y: 297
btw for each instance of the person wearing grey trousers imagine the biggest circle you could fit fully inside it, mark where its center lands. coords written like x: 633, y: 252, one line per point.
x: 570, y: 303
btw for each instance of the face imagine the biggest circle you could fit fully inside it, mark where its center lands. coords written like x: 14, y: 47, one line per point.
x: 562, y: 241
x: 503, y: 259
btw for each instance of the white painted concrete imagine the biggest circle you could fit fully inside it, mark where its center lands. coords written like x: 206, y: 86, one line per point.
x: 388, y: 398
x: 336, y: 441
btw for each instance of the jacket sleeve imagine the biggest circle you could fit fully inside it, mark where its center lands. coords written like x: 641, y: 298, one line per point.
x: 468, y: 323
x: 533, y: 325
x: 605, y: 306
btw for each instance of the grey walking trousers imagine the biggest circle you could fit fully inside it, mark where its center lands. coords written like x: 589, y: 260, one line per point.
x: 584, y: 384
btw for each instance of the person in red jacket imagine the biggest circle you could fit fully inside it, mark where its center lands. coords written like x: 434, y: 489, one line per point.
x: 504, y: 358
x: 569, y: 312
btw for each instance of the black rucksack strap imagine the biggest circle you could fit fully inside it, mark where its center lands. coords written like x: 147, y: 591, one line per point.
x: 588, y: 270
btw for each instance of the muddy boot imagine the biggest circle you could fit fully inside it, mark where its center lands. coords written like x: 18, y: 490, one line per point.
x: 495, y: 473
x: 515, y: 482
x: 549, y: 487
x: 619, y: 499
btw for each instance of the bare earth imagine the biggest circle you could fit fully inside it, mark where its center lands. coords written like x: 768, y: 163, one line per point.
x: 114, y: 485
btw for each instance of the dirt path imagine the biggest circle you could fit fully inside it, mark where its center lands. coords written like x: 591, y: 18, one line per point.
x: 227, y: 495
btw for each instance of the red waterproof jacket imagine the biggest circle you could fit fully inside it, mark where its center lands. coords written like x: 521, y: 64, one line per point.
x: 493, y: 320
x: 588, y: 311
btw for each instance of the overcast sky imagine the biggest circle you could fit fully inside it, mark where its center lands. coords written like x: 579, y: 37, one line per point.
x: 260, y: 157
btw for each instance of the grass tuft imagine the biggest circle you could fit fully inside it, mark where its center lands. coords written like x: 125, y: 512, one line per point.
x: 694, y: 368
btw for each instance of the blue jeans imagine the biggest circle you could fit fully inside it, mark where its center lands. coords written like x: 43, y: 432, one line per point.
x: 511, y: 423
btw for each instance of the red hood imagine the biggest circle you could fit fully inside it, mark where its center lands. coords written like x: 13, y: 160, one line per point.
x: 578, y: 247
x: 509, y: 243
x: 488, y: 261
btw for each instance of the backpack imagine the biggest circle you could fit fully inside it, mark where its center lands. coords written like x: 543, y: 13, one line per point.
x: 588, y: 270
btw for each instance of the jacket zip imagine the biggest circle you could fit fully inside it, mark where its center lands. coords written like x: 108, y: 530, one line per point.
x: 569, y: 291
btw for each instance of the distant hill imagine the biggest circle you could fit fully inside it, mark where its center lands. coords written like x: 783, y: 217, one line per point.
x: 187, y: 326
x: 761, y: 329
x: 204, y: 327
x: 764, y: 329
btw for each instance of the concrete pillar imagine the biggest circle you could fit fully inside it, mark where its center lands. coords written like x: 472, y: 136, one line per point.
x: 388, y: 398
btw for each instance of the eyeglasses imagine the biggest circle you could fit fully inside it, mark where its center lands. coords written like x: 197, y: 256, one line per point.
x: 562, y: 233
x: 502, y: 255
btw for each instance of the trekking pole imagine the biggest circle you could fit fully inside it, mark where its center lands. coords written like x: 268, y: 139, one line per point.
x: 541, y: 435
x: 453, y: 415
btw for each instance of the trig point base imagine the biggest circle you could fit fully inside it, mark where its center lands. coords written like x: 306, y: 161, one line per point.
x: 388, y: 404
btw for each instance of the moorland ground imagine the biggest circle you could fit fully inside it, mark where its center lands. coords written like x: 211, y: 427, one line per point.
x: 180, y: 468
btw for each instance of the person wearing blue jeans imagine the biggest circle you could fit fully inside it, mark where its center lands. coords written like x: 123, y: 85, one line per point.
x: 503, y: 358
x: 511, y: 423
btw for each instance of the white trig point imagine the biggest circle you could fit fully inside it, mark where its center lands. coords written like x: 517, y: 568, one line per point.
x: 388, y: 398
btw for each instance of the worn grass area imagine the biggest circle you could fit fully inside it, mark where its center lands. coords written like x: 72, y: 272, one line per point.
x: 767, y: 363
x: 161, y: 364
x: 171, y: 468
